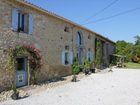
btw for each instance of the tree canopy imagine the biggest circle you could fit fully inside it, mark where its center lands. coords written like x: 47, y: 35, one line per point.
x: 130, y: 50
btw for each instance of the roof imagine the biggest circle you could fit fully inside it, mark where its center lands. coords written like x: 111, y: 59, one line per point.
x: 61, y: 18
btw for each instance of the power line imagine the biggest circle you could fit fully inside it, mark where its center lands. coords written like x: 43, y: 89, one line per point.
x: 109, y: 17
x: 102, y: 10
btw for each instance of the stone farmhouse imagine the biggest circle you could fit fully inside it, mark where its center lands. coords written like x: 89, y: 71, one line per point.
x: 37, y: 45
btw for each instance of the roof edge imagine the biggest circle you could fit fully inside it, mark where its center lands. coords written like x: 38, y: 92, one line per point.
x: 61, y: 18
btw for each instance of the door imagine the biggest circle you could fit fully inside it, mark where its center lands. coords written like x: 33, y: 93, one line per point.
x: 21, y: 72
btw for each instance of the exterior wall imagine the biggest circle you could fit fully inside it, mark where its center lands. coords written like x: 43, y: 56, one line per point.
x: 108, y: 50
x: 48, y: 36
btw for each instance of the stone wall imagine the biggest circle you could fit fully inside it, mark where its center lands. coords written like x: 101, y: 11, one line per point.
x: 48, y: 36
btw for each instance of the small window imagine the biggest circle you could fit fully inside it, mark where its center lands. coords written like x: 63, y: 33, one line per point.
x: 89, y: 59
x: 89, y: 36
x: 67, y: 57
x: 22, y: 22
x: 66, y: 29
x: 79, y: 39
x: 20, y: 64
x: 89, y: 55
x: 66, y: 47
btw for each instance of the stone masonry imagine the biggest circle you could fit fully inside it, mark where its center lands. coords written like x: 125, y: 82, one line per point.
x: 48, y: 36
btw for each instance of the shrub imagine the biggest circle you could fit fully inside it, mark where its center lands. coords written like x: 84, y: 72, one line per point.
x: 75, y: 67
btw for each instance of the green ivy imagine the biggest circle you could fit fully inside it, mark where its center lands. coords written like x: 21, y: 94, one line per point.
x: 98, y: 58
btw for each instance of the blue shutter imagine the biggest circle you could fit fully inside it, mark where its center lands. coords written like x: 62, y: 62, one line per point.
x: 71, y: 57
x: 63, y: 57
x: 88, y: 55
x: 91, y: 56
x: 14, y: 19
x: 30, y: 24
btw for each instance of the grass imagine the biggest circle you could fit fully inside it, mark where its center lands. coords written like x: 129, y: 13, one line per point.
x: 132, y: 65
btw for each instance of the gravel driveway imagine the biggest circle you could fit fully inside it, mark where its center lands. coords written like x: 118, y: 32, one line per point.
x: 121, y: 87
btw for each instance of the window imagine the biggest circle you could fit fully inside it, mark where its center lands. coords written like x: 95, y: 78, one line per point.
x: 89, y: 59
x: 22, y: 22
x: 89, y: 36
x: 66, y: 47
x: 67, y: 57
x: 79, y: 39
x: 66, y: 29
x: 20, y: 64
x: 89, y: 55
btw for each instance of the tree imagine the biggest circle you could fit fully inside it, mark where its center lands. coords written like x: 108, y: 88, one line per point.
x: 137, y: 42
x: 125, y: 48
x: 131, y: 51
x: 136, y: 51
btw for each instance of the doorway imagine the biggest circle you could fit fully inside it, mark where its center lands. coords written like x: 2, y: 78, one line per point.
x: 21, y: 72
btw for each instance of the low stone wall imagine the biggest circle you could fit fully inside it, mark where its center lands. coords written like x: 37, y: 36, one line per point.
x: 59, y: 71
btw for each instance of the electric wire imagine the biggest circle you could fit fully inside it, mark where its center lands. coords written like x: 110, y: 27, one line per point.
x: 102, y: 10
x: 109, y: 17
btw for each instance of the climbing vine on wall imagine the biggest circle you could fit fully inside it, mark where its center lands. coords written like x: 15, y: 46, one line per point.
x: 98, y: 57
x: 33, y: 56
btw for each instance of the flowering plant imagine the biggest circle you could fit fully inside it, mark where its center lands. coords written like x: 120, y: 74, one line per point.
x: 33, y: 55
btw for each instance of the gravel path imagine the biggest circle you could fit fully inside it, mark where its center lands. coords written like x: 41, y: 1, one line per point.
x: 121, y: 87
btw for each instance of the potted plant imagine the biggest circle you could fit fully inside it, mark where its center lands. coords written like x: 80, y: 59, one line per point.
x: 93, y: 66
x: 110, y: 68
x: 86, y: 66
x: 15, y: 94
x: 75, y: 70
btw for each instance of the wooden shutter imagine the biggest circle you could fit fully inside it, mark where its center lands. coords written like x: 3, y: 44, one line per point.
x: 63, y: 58
x: 30, y: 24
x: 88, y: 55
x: 91, y: 56
x: 71, y: 57
x: 14, y: 19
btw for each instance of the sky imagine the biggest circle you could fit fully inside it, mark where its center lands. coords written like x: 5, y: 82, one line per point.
x: 118, y: 27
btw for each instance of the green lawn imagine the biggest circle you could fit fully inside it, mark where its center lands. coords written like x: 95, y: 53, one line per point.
x: 132, y: 65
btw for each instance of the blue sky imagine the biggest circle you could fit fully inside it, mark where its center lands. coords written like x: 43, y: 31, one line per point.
x: 123, y: 27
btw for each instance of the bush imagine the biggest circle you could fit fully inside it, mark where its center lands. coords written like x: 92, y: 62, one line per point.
x: 87, y: 64
x: 75, y: 67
